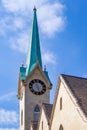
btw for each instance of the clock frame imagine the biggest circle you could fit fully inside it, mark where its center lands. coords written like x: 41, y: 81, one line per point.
x: 37, y: 87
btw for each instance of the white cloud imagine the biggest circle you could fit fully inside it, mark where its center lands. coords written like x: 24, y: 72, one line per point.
x: 9, y: 129
x: 48, y: 58
x: 50, y: 23
x: 13, y: 5
x: 8, y: 117
x: 8, y: 96
x: 18, y: 23
x: 20, y: 43
x: 51, y: 20
x: 21, y: 5
x: 57, y: 25
x: 11, y: 24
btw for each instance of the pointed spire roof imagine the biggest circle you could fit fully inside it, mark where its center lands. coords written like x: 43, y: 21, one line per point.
x: 34, y: 52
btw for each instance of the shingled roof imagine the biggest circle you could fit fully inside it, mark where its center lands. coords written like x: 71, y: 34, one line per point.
x: 48, y: 110
x: 78, y: 87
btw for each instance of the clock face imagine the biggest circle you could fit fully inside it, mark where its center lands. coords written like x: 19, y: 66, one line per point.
x: 37, y: 87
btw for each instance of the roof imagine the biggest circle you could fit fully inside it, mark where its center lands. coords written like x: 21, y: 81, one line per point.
x: 22, y: 73
x: 34, y: 125
x: 47, y: 76
x: 78, y: 87
x: 34, y: 52
x: 48, y: 110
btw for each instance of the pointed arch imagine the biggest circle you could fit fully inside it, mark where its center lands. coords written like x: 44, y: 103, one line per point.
x: 61, y: 127
x: 21, y: 117
x: 36, y: 113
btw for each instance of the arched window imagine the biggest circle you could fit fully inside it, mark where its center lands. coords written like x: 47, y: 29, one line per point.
x: 36, y: 113
x: 61, y: 103
x: 61, y: 127
x: 42, y: 125
x: 21, y: 117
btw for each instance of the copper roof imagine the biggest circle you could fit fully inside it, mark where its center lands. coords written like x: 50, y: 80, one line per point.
x: 78, y: 87
x: 48, y: 110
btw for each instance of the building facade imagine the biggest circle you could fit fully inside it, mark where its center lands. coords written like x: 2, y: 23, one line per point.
x: 69, y: 111
x: 45, y: 114
x: 70, y: 104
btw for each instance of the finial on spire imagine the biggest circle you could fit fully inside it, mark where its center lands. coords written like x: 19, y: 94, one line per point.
x: 34, y: 8
x: 44, y: 67
x: 22, y: 64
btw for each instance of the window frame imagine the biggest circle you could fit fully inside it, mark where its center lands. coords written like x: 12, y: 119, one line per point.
x: 21, y: 117
x: 36, y: 113
x: 61, y: 127
x: 61, y: 103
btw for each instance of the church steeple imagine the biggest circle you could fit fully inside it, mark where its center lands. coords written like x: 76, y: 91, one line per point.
x: 34, y: 83
x: 34, y: 52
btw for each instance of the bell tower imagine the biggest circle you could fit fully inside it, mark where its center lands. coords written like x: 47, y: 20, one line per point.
x: 34, y: 83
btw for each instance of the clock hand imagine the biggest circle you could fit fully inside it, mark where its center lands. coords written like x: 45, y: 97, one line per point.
x: 37, y: 87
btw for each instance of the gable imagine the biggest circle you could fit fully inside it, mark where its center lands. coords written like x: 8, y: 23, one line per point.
x: 43, y: 121
x: 78, y: 87
x: 65, y: 84
x: 38, y: 74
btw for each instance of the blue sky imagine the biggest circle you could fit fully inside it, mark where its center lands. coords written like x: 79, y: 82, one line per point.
x: 63, y: 37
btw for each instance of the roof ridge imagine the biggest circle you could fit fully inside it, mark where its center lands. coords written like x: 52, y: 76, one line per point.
x: 74, y: 76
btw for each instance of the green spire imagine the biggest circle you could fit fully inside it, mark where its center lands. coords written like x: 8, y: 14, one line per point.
x: 34, y: 53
